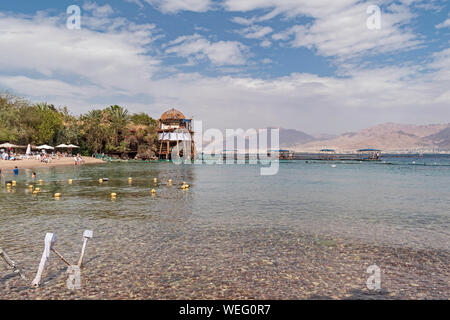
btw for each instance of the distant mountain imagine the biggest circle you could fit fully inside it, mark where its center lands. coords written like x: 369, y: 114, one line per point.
x: 387, y: 137
x: 325, y: 136
x: 288, y: 138
x: 291, y: 137
x: 440, y: 139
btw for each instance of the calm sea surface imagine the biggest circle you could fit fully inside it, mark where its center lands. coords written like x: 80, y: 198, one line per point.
x: 400, y: 202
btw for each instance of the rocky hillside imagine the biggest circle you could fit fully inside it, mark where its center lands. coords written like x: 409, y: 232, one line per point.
x: 387, y: 137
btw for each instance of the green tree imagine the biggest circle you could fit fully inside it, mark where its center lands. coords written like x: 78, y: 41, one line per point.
x: 143, y: 119
x: 50, y: 122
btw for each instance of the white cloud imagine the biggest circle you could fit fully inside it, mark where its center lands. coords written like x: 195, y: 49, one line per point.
x: 256, y: 32
x: 48, y: 87
x: 266, y: 44
x: 137, y: 2
x: 310, y: 102
x: 444, y: 24
x: 338, y: 28
x: 243, y: 21
x: 98, y: 11
x: 441, y: 67
x: 173, y: 6
x: 345, y: 34
x: 42, y: 46
x: 290, y: 8
x: 219, y: 53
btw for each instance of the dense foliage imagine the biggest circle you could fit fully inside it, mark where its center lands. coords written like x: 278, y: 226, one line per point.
x: 111, y: 130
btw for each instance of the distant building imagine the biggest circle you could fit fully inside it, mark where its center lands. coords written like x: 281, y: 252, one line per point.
x: 175, y: 134
x: 369, y: 154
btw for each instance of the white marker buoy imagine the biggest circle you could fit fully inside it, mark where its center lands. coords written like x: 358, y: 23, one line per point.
x: 86, y: 236
x: 48, y: 242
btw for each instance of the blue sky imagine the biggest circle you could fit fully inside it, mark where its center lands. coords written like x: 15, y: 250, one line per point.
x: 314, y: 66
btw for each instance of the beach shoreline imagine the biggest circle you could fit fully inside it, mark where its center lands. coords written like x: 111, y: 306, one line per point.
x: 36, y: 164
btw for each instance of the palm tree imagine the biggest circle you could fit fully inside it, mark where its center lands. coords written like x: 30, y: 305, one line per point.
x: 119, y: 119
x: 93, y: 130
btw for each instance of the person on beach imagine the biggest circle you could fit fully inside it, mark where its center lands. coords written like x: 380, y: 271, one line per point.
x: 33, y: 175
x: 16, y: 171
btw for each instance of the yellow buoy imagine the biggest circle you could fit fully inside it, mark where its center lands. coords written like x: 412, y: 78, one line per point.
x: 35, y: 192
x: 8, y: 185
x: 30, y: 186
x: 13, y: 183
x: 153, y: 191
x: 40, y: 181
x: 70, y: 181
x: 155, y: 180
x: 100, y: 180
x: 113, y: 195
x: 57, y: 195
x: 37, y: 189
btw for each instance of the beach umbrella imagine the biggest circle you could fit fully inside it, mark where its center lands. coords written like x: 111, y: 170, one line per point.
x: 62, y: 146
x: 7, y: 145
x: 45, y: 147
x: 72, y: 146
x: 28, y: 149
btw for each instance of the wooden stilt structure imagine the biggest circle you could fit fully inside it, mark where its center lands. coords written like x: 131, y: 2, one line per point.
x: 175, y: 128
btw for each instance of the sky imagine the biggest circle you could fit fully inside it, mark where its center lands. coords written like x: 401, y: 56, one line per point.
x: 319, y: 66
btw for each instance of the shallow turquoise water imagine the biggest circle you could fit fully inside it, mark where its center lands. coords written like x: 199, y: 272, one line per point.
x: 400, y: 204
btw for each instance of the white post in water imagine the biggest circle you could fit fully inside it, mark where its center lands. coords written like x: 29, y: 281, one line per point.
x: 49, y: 241
x: 86, y: 236
x: 12, y: 264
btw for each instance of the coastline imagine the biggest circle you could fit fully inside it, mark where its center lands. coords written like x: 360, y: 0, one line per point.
x: 36, y: 164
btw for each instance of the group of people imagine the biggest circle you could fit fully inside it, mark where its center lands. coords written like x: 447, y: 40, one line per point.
x: 41, y: 156
x: 8, y: 156
x: 46, y: 158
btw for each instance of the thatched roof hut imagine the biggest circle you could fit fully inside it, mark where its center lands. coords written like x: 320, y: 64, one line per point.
x: 171, y: 115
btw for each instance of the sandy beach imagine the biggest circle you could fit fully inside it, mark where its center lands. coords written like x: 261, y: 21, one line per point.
x: 33, y: 163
